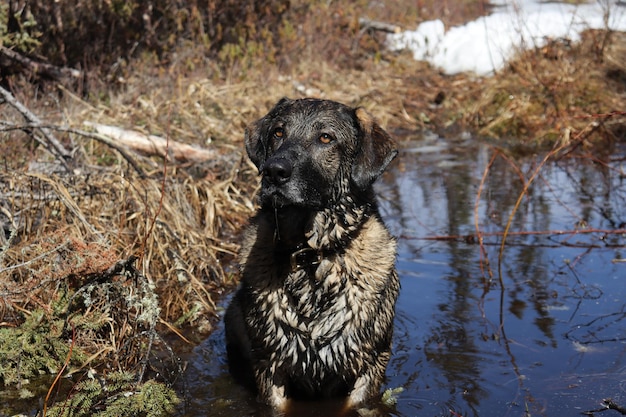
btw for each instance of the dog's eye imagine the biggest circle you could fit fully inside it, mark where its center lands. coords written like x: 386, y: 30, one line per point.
x: 325, y: 138
x: 279, y: 132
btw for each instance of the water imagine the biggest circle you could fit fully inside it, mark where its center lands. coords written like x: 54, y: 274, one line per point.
x: 537, y: 330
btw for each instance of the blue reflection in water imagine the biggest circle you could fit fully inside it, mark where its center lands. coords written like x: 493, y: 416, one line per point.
x: 552, y: 339
x: 539, y: 330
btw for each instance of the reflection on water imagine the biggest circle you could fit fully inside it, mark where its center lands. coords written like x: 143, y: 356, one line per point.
x: 538, y: 330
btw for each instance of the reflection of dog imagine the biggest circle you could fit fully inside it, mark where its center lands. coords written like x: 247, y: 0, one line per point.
x: 313, y: 316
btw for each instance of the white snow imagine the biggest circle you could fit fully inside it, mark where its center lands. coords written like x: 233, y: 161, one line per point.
x: 484, y: 45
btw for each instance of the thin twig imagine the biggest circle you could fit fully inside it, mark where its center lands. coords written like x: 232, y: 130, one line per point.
x: 60, y: 373
x: 484, y: 260
x: 147, y: 282
x: 91, y: 135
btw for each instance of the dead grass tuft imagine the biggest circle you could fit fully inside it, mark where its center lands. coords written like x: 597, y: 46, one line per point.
x: 556, y: 93
x: 175, y: 224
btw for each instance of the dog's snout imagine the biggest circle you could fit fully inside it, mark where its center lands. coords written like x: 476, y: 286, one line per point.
x: 277, y: 170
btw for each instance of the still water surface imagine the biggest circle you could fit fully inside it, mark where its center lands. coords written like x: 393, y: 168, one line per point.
x: 537, y: 331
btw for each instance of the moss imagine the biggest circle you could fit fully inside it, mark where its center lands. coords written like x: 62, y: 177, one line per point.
x: 390, y: 396
x: 117, y: 396
x: 34, y: 348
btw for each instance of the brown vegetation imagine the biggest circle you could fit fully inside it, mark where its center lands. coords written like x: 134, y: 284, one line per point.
x: 196, y: 75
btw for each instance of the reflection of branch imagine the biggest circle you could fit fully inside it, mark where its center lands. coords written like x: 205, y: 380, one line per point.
x: 516, y: 206
x: 617, y: 317
x: 507, y: 348
x: 473, y: 238
x: 608, y: 404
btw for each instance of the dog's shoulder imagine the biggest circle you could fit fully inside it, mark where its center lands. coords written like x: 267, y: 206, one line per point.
x: 257, y: 242
x: 374, y: 242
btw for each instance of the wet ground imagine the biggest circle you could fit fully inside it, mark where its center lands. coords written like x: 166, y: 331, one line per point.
x: 534, y: 328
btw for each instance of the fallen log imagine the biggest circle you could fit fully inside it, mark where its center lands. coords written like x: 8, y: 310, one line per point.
x: 154, y: 145
x: 367, y: 24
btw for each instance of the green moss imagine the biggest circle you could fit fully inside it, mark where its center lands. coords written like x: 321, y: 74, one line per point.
x: 35, y: 348
x: 117, y: 396
x: 390, y: 396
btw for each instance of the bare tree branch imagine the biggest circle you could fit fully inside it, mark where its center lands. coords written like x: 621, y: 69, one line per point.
x: 62, y: 154
x: 91, y: 135
x: 367, y: 24
x: 40, y: 67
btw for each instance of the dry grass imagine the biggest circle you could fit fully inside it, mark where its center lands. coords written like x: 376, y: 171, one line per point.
x: 560, y: 92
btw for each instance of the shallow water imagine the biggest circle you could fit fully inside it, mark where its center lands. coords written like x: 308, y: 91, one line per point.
x: 539, y: 330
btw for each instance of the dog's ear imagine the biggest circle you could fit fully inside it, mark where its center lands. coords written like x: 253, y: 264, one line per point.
x: 256, y: 142
x: 375, y: 152
x: 256, y: 135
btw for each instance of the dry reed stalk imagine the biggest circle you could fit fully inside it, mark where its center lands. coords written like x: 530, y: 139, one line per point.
x: 484, y: 260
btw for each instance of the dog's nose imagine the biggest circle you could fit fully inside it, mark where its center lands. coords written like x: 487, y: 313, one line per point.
x: 277, y: 170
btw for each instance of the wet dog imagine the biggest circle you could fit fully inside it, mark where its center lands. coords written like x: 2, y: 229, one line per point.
x: 313, y: 317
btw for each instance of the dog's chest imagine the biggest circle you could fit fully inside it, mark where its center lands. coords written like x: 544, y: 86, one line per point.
x: 311, y: 297
x: 312, y: 321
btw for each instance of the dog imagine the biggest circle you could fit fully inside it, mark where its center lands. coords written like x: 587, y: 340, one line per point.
x: 313, y: 316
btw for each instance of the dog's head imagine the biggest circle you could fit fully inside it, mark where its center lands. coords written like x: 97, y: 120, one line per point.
x: 311, y: 152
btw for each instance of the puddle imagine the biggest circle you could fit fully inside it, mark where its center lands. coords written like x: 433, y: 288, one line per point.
x: 537, y: 330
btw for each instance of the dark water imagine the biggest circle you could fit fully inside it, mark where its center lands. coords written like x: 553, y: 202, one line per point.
x: 539, y: 330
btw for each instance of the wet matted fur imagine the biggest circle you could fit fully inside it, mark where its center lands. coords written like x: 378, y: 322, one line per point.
x: 313, y: 317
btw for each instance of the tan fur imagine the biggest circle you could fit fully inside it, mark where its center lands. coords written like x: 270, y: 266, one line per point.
x: 364, y: 118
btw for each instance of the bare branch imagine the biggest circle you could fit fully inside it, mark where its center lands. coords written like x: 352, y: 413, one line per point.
x: 477, y: 238
x: 368, y: 24
x: 103, y: 139
x: 91, y: 135
x: 40, y: 67
x: 62, y: 154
